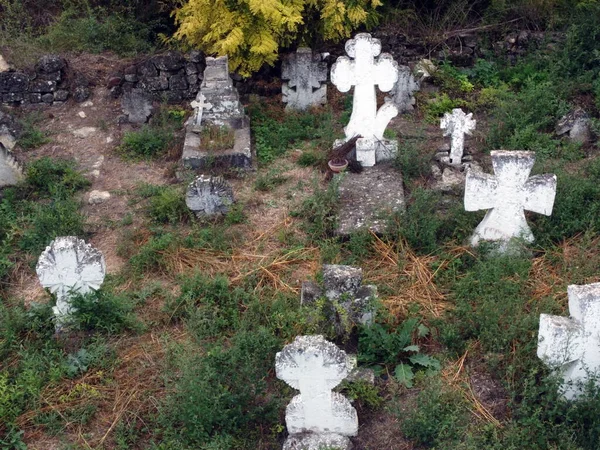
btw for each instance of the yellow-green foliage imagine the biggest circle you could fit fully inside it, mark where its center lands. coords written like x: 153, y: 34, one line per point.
x: 251, y: 31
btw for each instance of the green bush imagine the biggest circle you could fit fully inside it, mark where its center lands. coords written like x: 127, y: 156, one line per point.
x: 48, y: 177
x: 319, y: 212
x: 104, y: 311
x: 168, y: 206
x: 31, y: 135
x: 147, y: 143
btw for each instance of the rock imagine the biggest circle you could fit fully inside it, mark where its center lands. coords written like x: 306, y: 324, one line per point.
x: 81, y: 94
x: 137, y: 105
x: 424, y: 69
x: 97, y: 197
x: 48, y: 98
x: 61, y: 95
x: 84, y: 132
x: 4, y: 67
x: 147, y: 69
x: 82, y: 114
x: 42, y: 86
x: 310, y: 292
x: 170, y: 61
x: 10, y: 170
x: 50, y: 64
x: 87, y: 104
x: 362, y: 374
x: 196, y: 56
x: 578, y: 126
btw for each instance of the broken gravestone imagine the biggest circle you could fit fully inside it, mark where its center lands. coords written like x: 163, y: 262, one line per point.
x: 404, y: 89
x: 351, y: 302
x: 366, y: 70
x: 571, y: 346
x: 217, y: 111
x: 306, y: 74
x: 507, y: 194
x: 456, y: 125
x: 136, y: 105
x: 208, y: 196
x: 317, y: 418
x: 69, y: 266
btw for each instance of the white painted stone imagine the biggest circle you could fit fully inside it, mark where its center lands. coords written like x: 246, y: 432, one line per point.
x: 571, y: 346
x: 321, y: 441
x: 84, y: 132
x: 315, y: 366
x: 70, y: 265
x: 4, y: 67
x: 207, y: 196
x: 404, y: 89
x: 82, y: 114
x: 456, y: 125
x: 10, y: 170
x: 366, y: 70
x: 97, y: 197
x: 199, y: 104
x: 306, y: 73
x: 507, y: 195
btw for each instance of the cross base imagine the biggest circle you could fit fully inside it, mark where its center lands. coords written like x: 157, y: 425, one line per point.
x: 373, y: 150
x: 314, y: 441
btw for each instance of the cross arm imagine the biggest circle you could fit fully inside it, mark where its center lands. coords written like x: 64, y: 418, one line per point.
x: 559, y: 340
x: 480, y: 191
x: 342, y: 73
x: 540, y: 191
x: 386, y: 72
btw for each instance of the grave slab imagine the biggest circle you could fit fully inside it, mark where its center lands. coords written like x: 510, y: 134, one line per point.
x: 368, y: 197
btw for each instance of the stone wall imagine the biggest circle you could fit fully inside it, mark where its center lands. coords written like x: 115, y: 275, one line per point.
x: 48, y: 82
x: 171, y: 77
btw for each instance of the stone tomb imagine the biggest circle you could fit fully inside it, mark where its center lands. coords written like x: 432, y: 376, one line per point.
x: 456, y: 125
x: 317, y: 417
x: 507, y: 194
x: 571, y: 346
x: 68, y: 266
x: 364, y: 70
x: 306, y: 74
x: 217, y: 105
x: 208, y: 196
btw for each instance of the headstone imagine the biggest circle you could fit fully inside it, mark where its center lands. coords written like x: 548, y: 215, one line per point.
x: 456, y: 125
x: 507, y: 194
x: 137, y: 105
x: 366, y: 70
x: 306, y: 74
x: 571, y: 346
x: 207, y: 196
x: 404, y: 89
x: 10, y: 170
x: 67, y: 266
x: 317, y: 416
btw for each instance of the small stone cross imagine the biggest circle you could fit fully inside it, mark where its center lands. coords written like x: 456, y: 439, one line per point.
x: 67, y: 266
x: 315, y: 366
x: 507, y: 195
x: 457, y: 125
x: 305, y: 73
x: 572, y: 345
x: 199, y: 104
x: 364, y: 73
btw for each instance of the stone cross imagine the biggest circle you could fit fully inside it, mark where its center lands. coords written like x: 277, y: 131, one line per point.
x: 208, y: 196
x: 67, y: 266
x: 404, y: 89
x: 457, y: 125
x: 305, y: 73
x: 199, y: 104
x: 571, y: 346
x: 507, y: 195
x: 364, y: 73
x: 315, y: 366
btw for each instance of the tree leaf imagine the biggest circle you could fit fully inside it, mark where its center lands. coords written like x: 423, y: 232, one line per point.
x: 422, y: 330
x: 404, y: 375
x: 411, y: 348
x: 425, y: 361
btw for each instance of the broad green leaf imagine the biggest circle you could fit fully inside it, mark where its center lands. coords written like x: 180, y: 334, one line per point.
x: 425, y: 361
x: 411, y: 348
x: 404, y: 375
x: 422, y: 330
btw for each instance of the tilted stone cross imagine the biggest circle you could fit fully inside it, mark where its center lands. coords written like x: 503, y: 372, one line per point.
x: 315, y: 366
x: 364, y: 73
x: 507, y: 195
x: 571, y: 346
x: 305, y: 73
x: 68, y: 266
x: 457, y: 125
x: 199, y: 104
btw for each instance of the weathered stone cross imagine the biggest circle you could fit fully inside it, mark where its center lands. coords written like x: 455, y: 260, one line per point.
x: 315, y: 366
x: 199, y: 104
x: 364, y: 73
x: 457, y: 125
x: 507, y: 195
x: 571, y: 346
x: 305, y: 73
x: 67, y: 266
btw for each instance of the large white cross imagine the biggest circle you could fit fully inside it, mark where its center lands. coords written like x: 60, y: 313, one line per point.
x: 457, y: 125
x: 67, y: 266
x: 571, y: 346
x: 305, y: 73
x: 315, y: 366
x: 507, y: 195
x: 199, y: 104
x: 364, y: 73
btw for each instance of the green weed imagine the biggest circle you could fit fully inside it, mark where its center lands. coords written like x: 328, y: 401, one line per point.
x: 31, y: 136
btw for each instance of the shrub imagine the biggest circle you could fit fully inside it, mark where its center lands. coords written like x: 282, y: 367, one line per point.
x: 48, y: 177
x: 168, y: 205
x: 104, y: 311
x: 319, y: 212
x: 251, y: 31
x: 32, y: 136
x: 147, y: 143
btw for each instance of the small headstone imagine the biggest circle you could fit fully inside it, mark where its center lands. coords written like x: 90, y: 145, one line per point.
x: 404, y: 89
x: 456, y: 125
x: 10, y: 170
x: 364, y: 71
x: 207, y: 196
x: 137, y: 105
x: 317, y: 417
x: 507, y: 194
x: 306, y: 74
x: 67, y: 266
x: 571, y: 346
